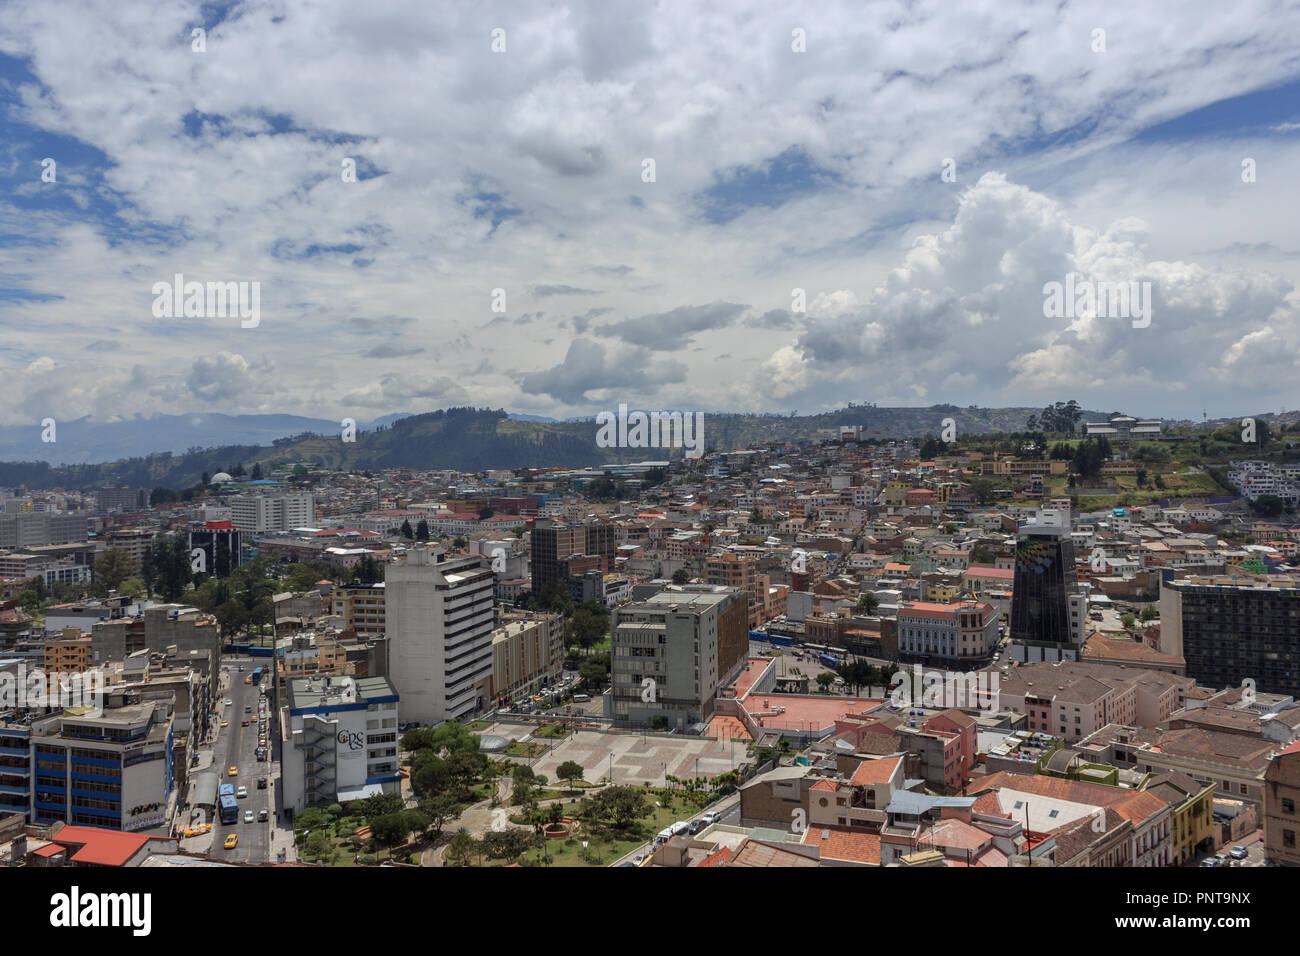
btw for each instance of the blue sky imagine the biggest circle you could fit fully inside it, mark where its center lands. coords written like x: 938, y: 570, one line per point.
x: 517, y: 178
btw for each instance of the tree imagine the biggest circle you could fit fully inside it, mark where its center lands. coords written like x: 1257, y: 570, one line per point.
x: 389, y: 829
x: 619, y: 805
x: 462, y: 847
x: 681, y: 576
x: 868, y: 602
x: 407, y: 532
x: 439, y: 810
x: 569, y: 771
x: 422, y: 530
x: 112, y: 568
x: 1149, y: 613
x: 485, y: 513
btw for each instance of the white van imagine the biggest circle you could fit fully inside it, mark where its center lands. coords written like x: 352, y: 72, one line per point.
x: 581, y: 698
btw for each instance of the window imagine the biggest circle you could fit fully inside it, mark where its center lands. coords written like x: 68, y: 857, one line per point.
x: 1288, y: 805
x: 1288, y: 838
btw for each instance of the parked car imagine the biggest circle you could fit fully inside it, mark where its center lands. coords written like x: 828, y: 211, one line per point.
x: 711, y: 817
x: 261, y: 783
x: 1238, y: 853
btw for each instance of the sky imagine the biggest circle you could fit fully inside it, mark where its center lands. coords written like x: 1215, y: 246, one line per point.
x: 559, y: 208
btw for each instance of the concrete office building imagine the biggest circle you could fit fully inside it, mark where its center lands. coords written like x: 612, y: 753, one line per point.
x: 672, y: 652
x: 1229, y: 630
x: 438, y: 615
x: 113, y: 770
x: 340, y: 741
x: 39, y: 528
x: 259, y: 514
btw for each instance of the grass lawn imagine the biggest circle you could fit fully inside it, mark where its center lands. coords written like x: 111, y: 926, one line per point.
x: 479, y: 725
x: 518, y: 748
x: 551, y: 730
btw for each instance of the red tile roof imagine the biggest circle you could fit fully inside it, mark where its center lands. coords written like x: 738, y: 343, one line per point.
x: 101, y: 846
x: 872, y: 772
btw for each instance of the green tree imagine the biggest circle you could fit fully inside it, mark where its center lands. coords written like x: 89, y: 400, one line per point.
x: 569, y: 771
x: 422, y: 530
x: 113, y: 567
x: 407, y: 533
x: 868, y: 602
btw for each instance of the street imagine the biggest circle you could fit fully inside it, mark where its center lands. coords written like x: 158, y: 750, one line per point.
x: 236, y: 746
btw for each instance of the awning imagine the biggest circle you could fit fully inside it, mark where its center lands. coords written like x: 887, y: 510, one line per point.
x: 360, y: 793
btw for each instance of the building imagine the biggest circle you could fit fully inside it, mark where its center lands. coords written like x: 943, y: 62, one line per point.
x: 1229, y: 630
x: 257, y: 514
x: 671, y: 653
x: 121, y: 499
x: 552, y: 544
x: 527, y: 654
x: 1281, y: 795
x: 134, y: 541
x: 220, y: 543
x: 112, y: 770
x: 340, y: 741
x: 1041, y: 628
x: 438, y: 614
x: 961, y: 635
x: 32, y: 529
x: 1123, y: 428
x: 361, y: 607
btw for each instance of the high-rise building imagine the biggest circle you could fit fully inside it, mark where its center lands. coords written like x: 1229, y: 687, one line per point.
x: 673, y: 651
x: 220, y: 543
x: 438, y: 615
x: 121, y: 499
x: 262, y: 513
x: 1230, y: 630
x: 554, y: 547
x: 36, y: 528
x: 1041, y: 596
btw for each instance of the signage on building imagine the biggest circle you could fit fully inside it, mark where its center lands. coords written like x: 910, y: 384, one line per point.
x: 352, y: 743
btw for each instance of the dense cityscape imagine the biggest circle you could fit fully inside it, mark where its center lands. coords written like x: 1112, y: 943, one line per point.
x: 589, y: 435
x: 1049, y: 648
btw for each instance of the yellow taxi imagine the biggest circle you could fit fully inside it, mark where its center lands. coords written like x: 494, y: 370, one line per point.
x: 232, y: 841
x: 225, y: 723
x: 248, y: 680
x: 232, y: 772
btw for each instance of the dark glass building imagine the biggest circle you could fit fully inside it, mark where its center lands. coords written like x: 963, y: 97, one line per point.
x: 1040, y: 597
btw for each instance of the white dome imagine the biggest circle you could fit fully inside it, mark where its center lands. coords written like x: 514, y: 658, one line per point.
x: 220, y: 478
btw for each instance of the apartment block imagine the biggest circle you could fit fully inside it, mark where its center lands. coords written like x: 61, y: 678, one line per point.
x: 257, y: 514
x: 527, y: 654
x: 439, y: 620
x: 1231, y: 630
x: 673, y: 651
x: 1281, y: 796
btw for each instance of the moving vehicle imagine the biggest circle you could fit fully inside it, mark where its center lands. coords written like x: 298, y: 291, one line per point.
x: 581, y: 698
x: 232, y: 772
x: 232, y: 841
x: 225, y: 723
x: 261, y: 816
x: 256, y: 676
x: 241, y: 668
x: 1238, y: 853
x: 261, y: 783
x: 248, y: 816
x: 228, y: 702
x: 241, y: 793
x: 199, y: 830
x: 248, y: 680
x: 227, y: 804
x: 711, y: 817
